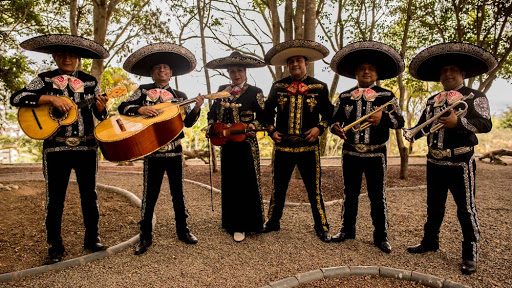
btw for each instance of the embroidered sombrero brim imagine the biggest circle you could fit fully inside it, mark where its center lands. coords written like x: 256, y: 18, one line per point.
x: 386, y: 59
x: 179, y: 59
x: 54, y: 43
x: 474, y: 60
x: 279, y: 54
x: 235, y: 59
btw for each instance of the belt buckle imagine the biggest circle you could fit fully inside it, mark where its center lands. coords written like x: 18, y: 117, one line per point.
x: 72, y: 141
x: 361, y: 148
x: 440, y: 154
x: 164, y: 148
x: 294, y: 138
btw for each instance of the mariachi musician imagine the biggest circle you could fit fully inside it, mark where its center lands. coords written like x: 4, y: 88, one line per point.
x: 242, y: 207
x: 72, y: 146
x: 364, y: 148
x: 450, y: 159
x: 303, y: 111
x: 160, y: 61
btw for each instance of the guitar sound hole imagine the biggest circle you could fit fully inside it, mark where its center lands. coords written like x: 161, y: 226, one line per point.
x: 56, y: 115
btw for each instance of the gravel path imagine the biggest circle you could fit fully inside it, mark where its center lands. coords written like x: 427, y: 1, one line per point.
x: 217, y: 261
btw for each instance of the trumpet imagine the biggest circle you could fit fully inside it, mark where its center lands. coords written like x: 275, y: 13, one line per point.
x: 409, y: 133
x: 365, y: 124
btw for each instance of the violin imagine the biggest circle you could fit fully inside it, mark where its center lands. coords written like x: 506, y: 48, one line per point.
x: 221, y: 133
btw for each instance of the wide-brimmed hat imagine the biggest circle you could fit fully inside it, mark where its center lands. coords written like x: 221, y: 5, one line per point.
x: 386, y: 59
x: 235, y: 59
x: 472, y: 59
x: 179, y: 59
x: 54, y: 43
x: 279, y: 54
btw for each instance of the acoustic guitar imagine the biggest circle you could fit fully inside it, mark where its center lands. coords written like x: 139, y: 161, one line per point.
x: 43, y: 121
x: 127, y: 138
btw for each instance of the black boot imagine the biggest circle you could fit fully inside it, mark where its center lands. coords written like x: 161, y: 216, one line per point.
x: 422, y: 248
x: 384, y: 246
x: 143, y: 246
x: 55, y: 254
x: 468, y: 267
x: 325, y: 236
x: 342, y: 236
x: 187, y: 237
x: 94, y: 245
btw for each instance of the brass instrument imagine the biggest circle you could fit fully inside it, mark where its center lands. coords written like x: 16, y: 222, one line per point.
x: 409, y: 133
x: 366, y: 124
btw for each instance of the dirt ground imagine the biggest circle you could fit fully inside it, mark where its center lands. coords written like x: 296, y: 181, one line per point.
x: 216, y: 261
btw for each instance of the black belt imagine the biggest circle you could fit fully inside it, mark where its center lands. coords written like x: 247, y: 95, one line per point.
x: 442, y: 153
x: 361, y: 148
x: 73, y: 141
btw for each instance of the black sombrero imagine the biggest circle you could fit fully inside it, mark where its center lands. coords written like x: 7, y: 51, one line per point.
x: 53, y: 43
x: 279, y: 54
x: 235, y: 59
x: 179, y: 59
x: 474, y: 60
x: 386, y: 59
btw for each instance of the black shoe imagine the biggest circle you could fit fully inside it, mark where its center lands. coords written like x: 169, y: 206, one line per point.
x: 95, y: 247
x: 468, y: 267
x: 271, y: 227
x: 188, y: 238
x: 325, y: 236
x: 384, y: 246
x: 342, y: 236
x: 142, y: 247
x: 55, y: 254
x: 420, y: 248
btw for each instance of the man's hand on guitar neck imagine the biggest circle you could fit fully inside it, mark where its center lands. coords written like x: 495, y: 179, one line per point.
x: 61, y: 104
x: 199, y: 101
x: 101, y: 101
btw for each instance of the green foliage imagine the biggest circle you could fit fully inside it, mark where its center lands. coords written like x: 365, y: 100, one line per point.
x: 505, y: 121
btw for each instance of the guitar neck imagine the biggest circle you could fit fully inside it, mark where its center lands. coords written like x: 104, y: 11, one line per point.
x: 208, y: 96
x: 86, y: 102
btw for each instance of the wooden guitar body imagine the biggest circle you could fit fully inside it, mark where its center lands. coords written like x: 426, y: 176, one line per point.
x: 42, y: 121
x: 125, y: 138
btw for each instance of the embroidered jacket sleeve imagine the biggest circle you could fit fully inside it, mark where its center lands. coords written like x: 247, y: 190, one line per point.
x: 477, y: 118
x: 133, y: 103
x: 259, y: 107
x: 29, y: 96
x: 392, y: 120
x: 270, y: 106
x: 326, y: 109
x: 99, y: 115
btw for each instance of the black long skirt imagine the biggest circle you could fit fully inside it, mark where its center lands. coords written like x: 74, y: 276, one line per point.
x: 242, y: 208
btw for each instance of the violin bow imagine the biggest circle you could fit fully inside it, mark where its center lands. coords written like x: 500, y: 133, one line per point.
x: 211, y: 172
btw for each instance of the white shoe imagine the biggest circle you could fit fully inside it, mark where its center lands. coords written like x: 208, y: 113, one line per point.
x: 239, y: 236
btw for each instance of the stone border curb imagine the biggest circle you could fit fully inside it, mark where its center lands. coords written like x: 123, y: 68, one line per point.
x: 346, y: 271
x: 85, y: 258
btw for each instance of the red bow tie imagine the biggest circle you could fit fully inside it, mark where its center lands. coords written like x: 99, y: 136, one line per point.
x: 61, y: 81
x: 234, y: 89
x: 367, y: 93
x: 153, y: 94
x: 297, y: 87
x: 450, y: 96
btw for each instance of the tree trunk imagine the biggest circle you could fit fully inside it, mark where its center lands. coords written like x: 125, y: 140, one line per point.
x: 310, y: 27
x: 404, y: 153
x: 276, y: 31
x: 288, y: 20
x: 298, y: 19
x: 73, y: 26
x: 100, y: 31
x: 200, y: 15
